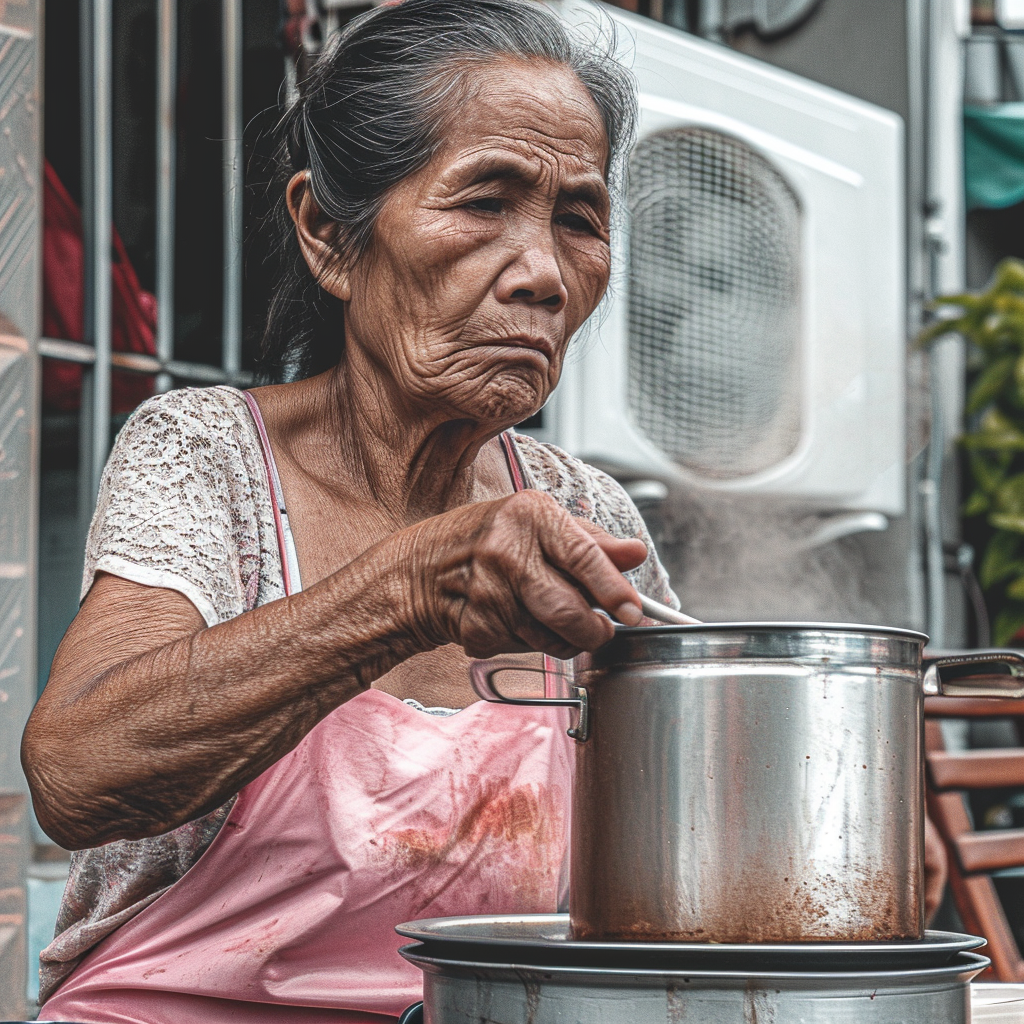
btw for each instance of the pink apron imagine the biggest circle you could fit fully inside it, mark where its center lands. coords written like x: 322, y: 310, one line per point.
x: 382, y: 814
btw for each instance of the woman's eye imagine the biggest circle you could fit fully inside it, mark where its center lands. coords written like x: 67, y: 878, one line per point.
x: 575, y: 222
x: 486, y: 205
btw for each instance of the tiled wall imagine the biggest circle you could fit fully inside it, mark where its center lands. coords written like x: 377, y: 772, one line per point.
x: 19, y: 327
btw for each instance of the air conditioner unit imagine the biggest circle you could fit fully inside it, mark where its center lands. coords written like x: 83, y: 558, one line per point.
x: 754, y: 337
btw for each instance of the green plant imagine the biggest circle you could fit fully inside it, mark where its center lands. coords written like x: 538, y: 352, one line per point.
x: 992, y: 321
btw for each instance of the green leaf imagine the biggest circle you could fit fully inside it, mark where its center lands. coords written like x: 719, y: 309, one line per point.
x: 991, y: 381
x: 939, y: 329
x: 989, y: 472
x: 976, y: 505
x: 1007, y: 624
x: 1016, y: 589
x: 969, y: 302
x: 1009, y: 304
x: 1009, y: 496
x: 1012, y: 570
x: 1010, y: 521
x: 1009, y: 276
x: 996, y: 432
x: 1018, y: 376
x: 998, y: 560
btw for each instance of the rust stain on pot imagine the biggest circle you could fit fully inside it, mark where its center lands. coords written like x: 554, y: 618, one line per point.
x: 675, y: 1005
x: 758, y: 1005
x: 764, y: 909
x: 532, y: 989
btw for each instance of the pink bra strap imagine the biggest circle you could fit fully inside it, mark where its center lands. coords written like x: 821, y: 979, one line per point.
x: 512, y: 458
x: 276, y: 494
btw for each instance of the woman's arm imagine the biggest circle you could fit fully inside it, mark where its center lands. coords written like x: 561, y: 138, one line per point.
x: 149, y: 719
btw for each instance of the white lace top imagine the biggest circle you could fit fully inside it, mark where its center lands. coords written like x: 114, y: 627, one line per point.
x: 185, y: 504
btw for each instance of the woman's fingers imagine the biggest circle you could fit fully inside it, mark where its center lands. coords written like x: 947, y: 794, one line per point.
x: 625, y: 554
x: 584, y: 558
x: 531, y: 604
x: 551, y: 600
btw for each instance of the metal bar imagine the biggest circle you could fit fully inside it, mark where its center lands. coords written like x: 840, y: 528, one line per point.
x: 166, y: 121
x: 208, y: 374
x: 234, y: 183
x: 931, y: 492
x: 920, y: 586
x: 86, y: 498
x: 712, y: 16
x: 134, y: 362
x: 931, y: 487
x: 102, y: 215
x: 69, y: 351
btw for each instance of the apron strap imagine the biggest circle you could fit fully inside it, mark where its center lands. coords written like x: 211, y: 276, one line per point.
x: 554, y: 672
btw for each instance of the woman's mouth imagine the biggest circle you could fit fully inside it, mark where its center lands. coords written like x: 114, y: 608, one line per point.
x: 537, y: 344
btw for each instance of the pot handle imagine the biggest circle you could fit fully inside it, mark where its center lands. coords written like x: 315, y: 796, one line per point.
x: 989, y: 685
x: 482, y: 673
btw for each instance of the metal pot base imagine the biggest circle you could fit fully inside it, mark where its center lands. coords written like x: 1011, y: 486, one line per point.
x: 463, y: 992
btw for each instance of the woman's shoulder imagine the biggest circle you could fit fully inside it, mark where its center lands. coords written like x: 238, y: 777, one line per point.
x: 200, y: 432
x: 582, y: 489
x: 215, y: 413
x: 184, y: 503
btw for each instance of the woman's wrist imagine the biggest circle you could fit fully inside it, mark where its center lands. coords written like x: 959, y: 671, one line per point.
x: 373, y: 613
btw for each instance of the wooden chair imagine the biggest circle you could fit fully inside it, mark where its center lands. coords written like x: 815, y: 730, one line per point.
x: 973, y: 855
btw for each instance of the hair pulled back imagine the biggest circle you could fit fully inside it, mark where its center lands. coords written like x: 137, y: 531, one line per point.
x: 372, y: 111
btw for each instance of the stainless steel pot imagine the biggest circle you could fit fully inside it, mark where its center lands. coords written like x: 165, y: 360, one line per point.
x: 754, y: 782
x: 468, y: 992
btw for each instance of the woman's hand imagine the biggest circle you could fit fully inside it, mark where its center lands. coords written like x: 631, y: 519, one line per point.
x: 518, y: 574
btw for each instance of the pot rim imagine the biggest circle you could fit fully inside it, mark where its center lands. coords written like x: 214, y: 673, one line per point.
x: 817, y: 627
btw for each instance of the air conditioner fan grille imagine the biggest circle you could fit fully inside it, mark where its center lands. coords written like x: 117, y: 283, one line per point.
x: 714, y: 359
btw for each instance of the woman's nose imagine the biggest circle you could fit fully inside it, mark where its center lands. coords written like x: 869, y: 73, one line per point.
x: 534, y: 279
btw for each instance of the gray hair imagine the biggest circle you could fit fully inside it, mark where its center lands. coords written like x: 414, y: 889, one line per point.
x: 372, y: 111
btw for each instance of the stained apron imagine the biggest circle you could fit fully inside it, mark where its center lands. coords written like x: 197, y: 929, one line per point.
x: 382, y: 814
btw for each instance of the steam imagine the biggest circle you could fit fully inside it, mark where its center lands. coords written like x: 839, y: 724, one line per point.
x: 747, y: 558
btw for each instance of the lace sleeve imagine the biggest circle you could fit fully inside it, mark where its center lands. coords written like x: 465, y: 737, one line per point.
x: 183, y: 502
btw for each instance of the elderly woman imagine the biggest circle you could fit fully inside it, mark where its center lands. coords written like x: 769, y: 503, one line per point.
x: 258, y: 734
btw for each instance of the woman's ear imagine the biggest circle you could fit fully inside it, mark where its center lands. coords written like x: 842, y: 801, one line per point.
x: 317, y: 235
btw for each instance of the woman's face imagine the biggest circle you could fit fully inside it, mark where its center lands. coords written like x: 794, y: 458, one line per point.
x: 485, y: 262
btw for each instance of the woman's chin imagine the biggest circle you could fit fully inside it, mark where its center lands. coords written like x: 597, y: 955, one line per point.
x: 507, y: 399
x: 506, y: 411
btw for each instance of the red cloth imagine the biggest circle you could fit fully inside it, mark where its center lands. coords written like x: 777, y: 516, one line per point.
x: 133, y: 310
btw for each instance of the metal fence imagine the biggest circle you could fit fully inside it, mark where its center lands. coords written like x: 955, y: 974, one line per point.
x: 96, y: 353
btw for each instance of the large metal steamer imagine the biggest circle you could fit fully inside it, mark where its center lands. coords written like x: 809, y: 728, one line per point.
x: 747, y: 839
x: 508, y: 985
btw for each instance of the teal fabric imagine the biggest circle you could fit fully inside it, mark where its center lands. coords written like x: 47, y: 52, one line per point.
x: 994, y: 155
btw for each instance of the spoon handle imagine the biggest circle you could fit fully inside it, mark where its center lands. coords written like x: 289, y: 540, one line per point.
x: 662, y: 613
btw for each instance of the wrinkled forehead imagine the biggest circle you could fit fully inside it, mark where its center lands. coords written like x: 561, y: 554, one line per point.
x: 534, y: 113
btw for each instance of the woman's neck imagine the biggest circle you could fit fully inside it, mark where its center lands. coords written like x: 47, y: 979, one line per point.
x: 353, y: 435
